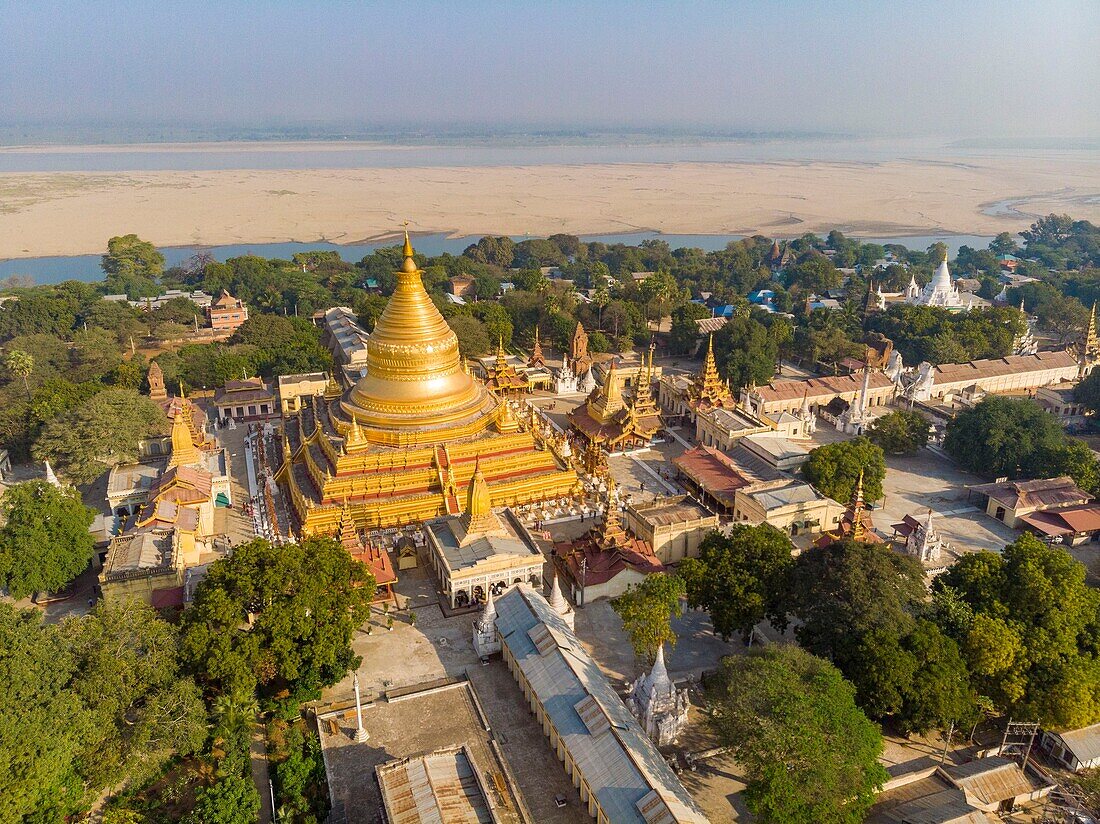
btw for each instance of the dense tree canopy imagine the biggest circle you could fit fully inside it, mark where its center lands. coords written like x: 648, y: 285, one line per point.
x: 857, y: 605
x: 741, y: 578
x: 132, y: 266
x: 44, y: 540
x: 44, y: 728
x: 301, y: 603
x: 1015, y: 437
x: 929, y: 333
x: 809, y: 754
x: 128, y: 675
x: 104, y: 430
x: 835, y: 468
x: 745, y: 352
x: 900, y: 432
x: 1030, y: 631
x: 283, y: 346
x: 100, y: 699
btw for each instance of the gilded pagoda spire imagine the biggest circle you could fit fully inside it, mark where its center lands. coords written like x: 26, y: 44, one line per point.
x: 610, y: 533
x: 346, y: 533
x: 183, y: 446
x: 478, y: 516
x: 856, y: 508
x: 608, y: 399
x: 642, y: 402
x: 1091, y: 347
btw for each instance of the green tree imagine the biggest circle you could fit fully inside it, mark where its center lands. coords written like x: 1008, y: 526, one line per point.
x: 858, y: 605
x: 128, y: 676
x: 1004, y: 244
x: 132, y: 266
x: 232, y: 799
x: 100, y: 433
x: 900, y: 432
x: 647, y: 610
x: 779, y: 709
x: 43, y: 727
x: 44, y: 542
x: 746, y: 351
x: 835, y: 468
x: 302, y: 602
x: 1002, y: 436
x: 741, y: 578
x: 473, y: 339
x: 21, y: 365
x: 684, y: 333
x: 1033, y: 642
x: 1087, y: 392
x: 283, y: 345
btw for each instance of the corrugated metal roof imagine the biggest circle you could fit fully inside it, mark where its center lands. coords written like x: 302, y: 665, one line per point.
x: 620, y: 763
x: 438, y: 788
x: 1083, y: 743
x: 991, y: 780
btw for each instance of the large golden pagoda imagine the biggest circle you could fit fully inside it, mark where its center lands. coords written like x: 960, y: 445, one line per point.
x: 401, y: 445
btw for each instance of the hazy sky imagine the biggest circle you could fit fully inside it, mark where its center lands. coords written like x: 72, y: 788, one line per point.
x: 891, y: 67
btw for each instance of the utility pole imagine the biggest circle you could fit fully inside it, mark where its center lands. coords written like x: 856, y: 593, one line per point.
x: 947, y: 743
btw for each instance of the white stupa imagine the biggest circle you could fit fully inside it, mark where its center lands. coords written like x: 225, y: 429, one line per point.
x: 558, y: 602
x: 939, y: 291
x: 660, y: 708
x: 486, y: 640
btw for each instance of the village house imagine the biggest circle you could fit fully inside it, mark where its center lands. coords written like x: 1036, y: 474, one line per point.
x: 1076, y: 749
x: 245, y: 400
x: 226, y: 314
x: 1009, y: 501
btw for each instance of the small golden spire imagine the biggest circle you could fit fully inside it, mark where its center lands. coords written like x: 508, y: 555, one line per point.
x: 409, y: 264
x: 184, y: 396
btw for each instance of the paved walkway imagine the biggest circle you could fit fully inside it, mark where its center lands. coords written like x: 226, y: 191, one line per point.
x: 258, y: 750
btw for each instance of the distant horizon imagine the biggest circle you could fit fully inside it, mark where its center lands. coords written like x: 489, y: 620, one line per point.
x: 31, y: 135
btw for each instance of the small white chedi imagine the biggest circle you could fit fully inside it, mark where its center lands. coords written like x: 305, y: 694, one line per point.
x: 660, y: 708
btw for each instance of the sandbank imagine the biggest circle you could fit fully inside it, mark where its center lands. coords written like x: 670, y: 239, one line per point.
x: 66, y: 213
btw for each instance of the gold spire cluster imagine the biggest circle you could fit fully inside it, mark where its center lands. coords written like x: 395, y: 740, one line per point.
x: 1090, y: 344
x: 610, y: 533
x: 642, y: 403
x: 608, y: 398
x: 184, y: 451
x: 708, y: 390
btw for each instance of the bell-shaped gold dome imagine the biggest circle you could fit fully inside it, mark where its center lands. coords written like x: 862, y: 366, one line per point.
x: 415, y: 390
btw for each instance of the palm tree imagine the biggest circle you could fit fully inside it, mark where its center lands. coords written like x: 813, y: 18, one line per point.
x: 20, y: 363
x: 236, y: 711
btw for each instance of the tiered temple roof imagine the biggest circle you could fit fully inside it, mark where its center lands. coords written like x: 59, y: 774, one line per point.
x: 606, y: 419
x: 376, y: 560
x: 607, y: 549
x: 177, y: 405
x: 502, y: 377
x: 855, y: 524
x: 401, y: 445
x: 537, y: 359
x: 708, y: 391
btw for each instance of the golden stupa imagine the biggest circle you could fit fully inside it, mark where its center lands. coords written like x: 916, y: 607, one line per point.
x: 402, y: 444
